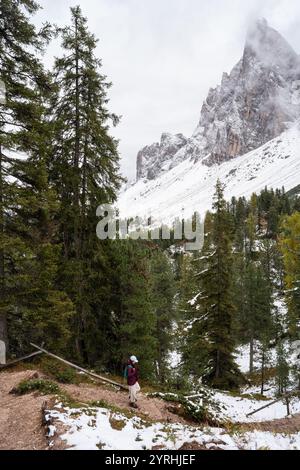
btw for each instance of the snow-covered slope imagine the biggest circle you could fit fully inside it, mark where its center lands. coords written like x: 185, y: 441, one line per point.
x: 99, y: 428
x: 253, y: 104
x: 190, y: 186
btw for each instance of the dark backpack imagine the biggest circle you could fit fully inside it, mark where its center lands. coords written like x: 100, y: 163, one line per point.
x: 126, y: 371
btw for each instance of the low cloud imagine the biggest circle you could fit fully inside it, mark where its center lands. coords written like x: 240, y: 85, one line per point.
x: 163, y: 56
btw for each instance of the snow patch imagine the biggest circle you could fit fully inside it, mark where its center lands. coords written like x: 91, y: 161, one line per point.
x: 94, y: 429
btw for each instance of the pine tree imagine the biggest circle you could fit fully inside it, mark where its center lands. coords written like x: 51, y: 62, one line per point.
x: 162, y: 300
x: 214, y: 308
x: 263, y: 318
x: 187, y: 287
x: 40, y: 311
x: 85, y: 161
x: 290, y: 247
x: 282, y: 369
x: 250, y: 313
x: 28, y: 205
x: 84, y: 164
x: 135, y: 320
x: 193, y: 338
x: 239, y: 266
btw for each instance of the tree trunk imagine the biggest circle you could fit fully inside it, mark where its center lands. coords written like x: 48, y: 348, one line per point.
x: 1, y: 226
x: 288, y: 406
x: 251, y: 364
x: 217, y: 374
x: 3, y: 320
x: 77, y: 147
x: 77, y: 116
x: 263, y: 373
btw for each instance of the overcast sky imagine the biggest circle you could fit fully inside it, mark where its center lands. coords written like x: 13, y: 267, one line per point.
x: 163, y: 55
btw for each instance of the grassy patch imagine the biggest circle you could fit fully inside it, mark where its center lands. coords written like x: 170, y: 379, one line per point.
x: 108, y: 406
x: 249, y: 396
x: 45, y: 387
x: 255, y: 396
x: 115, y: 409
x: 117, y: 424
x: 58, y: 371
x: 234, y: 428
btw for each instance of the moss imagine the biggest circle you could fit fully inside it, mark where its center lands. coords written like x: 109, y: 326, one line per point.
x: 117, y: 424
x: 101, y: 445
x: 75, y: 414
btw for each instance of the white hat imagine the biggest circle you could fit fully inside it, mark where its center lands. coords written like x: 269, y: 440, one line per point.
x: 133, y: 359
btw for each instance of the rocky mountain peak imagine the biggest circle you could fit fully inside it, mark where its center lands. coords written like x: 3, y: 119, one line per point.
x: 270, y: 48
x: 253, y: 104
x: 155, y: 158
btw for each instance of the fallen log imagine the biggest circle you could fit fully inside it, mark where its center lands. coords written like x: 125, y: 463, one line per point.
x: 282, y: 397
x: 193, y: 397
x: 81, y: 369
x: 16, y: 361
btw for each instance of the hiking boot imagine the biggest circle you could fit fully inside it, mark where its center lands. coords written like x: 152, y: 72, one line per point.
x: 133, y: 405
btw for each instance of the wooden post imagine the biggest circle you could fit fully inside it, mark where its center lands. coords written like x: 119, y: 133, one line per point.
x: 3, y: 339
x: 68, y: 363
x: 2, y: 352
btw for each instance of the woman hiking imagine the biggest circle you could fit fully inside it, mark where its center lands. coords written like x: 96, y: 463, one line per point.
x: 131, y: 372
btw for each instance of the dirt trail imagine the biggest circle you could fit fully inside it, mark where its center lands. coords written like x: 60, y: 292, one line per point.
x: 283, y: 426
x: 21, y: 418
x: 153, y: 408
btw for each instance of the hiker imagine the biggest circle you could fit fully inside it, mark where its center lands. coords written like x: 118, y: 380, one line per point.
x: 131, y: 372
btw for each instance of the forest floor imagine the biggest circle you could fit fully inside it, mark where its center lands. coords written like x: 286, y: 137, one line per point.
x: 21, y: 417
x: 23, y: 425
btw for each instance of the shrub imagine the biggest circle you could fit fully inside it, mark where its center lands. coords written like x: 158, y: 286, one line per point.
x: 189, y: 409
x: 45, y: 387
x: 58, y: 371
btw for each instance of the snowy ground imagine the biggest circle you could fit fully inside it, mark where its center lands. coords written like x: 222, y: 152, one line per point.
x: 235, y: 409
x: 243, y: 358
x: 99, y: 428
